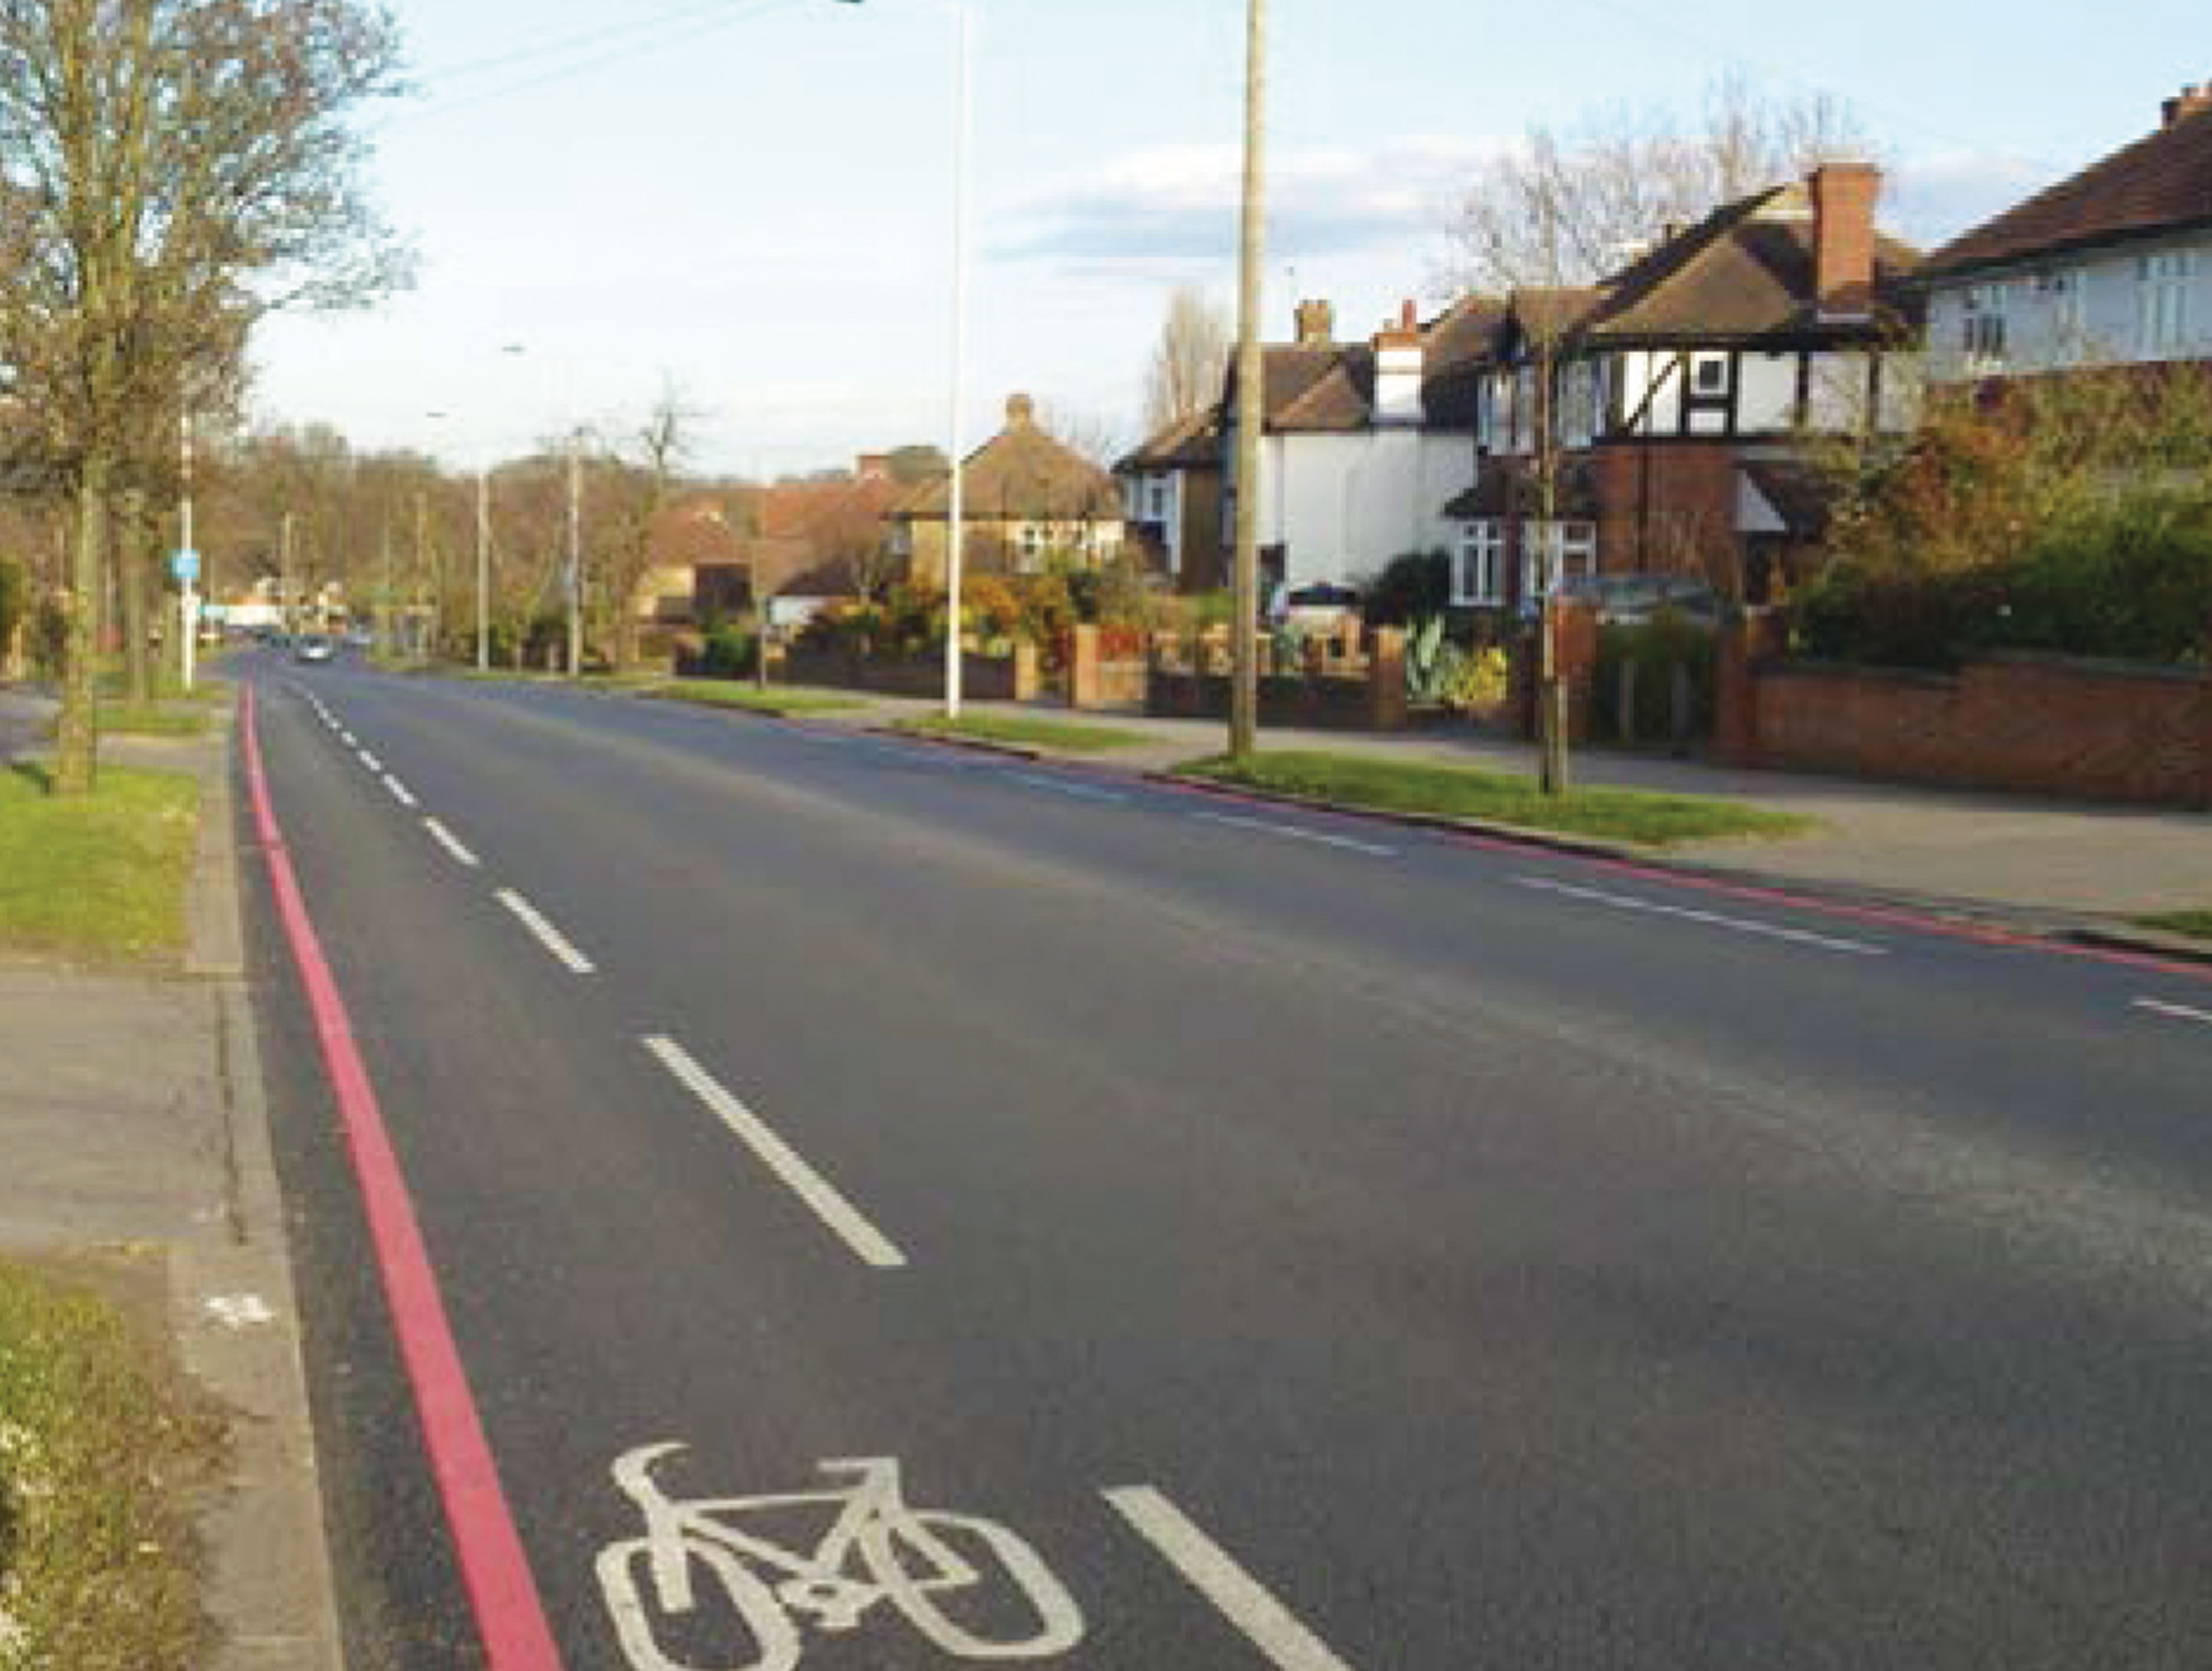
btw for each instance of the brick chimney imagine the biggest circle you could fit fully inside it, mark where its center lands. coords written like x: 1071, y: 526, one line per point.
x: 1316, y: 324
x: 1399, y: 365
x: 1843, y: 198
x: 1021, y: 411
x: 2186, y: 103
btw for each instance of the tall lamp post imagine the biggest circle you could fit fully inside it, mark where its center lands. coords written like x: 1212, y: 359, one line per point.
x: 964, y: 12
x: 1252, y: 397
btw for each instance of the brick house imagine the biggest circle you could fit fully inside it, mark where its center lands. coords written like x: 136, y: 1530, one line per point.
x: 2110, y: 268
x: 1363, y: 443
x: 1172, y: 497
x: 1028, y: 500
x: 1674, y: 398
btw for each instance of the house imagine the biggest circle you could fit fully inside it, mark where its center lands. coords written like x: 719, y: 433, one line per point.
x: 1656, y: 423
x: 1172, y: 499
x: 804, y: 541
x: 1028, y: 500
x: 1361, y: 443
x: 2112, y: 267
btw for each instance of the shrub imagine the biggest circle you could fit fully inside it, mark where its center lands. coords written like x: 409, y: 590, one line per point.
x: 2128, y: 578
x: 729, y: 652
x: 15, y: 600
x: 1409, y: 587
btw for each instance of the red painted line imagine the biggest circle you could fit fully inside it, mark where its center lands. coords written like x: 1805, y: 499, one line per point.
x: 510, y: 1619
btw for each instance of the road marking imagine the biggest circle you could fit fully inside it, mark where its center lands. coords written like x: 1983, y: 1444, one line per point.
x: 1798, y: 936
x: 1241, y: 1598
x: 445, y: 839
x: 850, y: 1224
x: 1081, y: 792
x: 370, y: 760
x: 2178, y: 1012
x: 345, y: 736
x: 550, y: 938
x: 400, y: 792
x: 1298, y: 832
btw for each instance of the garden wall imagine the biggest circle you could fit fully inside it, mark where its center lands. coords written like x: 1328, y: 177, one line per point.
x: 987, y: 679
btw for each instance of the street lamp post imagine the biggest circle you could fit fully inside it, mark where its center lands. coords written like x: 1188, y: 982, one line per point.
x: 955, y: 525
x: 1244, y: 574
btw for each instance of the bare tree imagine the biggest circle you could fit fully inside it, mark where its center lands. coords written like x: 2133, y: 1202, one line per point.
x: 1095, y: 436
x: 169, y: 170
x: 1570, y: 207
x: 643, y: 475
x: 1189, y: 361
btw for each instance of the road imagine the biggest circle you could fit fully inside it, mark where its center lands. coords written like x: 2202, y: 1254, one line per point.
x: 1280, y: 1239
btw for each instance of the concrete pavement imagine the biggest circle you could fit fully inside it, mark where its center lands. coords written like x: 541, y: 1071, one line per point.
x: 135, y: 1122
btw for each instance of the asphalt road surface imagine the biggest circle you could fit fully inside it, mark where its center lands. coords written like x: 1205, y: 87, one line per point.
x: 1080, y: 1223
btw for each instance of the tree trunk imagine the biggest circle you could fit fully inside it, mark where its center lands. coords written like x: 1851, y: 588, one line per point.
x: 77, y: 736
x: 132, y: 585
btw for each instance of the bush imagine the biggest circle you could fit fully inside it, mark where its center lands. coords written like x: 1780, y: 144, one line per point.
x: 729, y: 652
x: 1900, y: 620
x: 1658, y: 646
x: 15, y: 600
x: 1410, y: 587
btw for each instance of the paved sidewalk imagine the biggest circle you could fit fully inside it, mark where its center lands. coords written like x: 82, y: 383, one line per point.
x: 2018, y: 852
x: 133, y: 1125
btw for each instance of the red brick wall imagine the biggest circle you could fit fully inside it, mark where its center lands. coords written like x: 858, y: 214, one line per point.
x: 2045, y: 726
x: 1681, y: 516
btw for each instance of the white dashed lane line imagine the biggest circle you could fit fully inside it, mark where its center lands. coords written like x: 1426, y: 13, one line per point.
x: 550, y: 938
x: 850, y: 1224
x: 2175, y: 1012
x: 400, y: 792
x: 1241, y: 1599
x: 1299, y: 832
x: 446, y: 839
x: 1742, y: 926
x: 370, y: 760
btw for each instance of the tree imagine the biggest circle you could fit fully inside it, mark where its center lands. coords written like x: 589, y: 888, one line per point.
x: 1189, y: 361
x: 1568, y: 207
x: 643, y: 475
x: 169, y: 169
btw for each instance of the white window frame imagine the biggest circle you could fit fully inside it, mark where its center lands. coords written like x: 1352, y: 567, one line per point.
x: 2163, y: 283
x: 1030, y: 542
x: 1156, y: 500
x: 1566, y: 550
x: 1982, y: 326
x: 1720, y: 362
x: 1478, y: 565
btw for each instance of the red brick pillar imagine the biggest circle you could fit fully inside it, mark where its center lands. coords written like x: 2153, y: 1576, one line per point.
x: 2204, y: 741
x: 1741, y: 646
x: 1386, y: 704
x: 1027, y: 677
x: 1576, y: 646
x: 1083, y: 669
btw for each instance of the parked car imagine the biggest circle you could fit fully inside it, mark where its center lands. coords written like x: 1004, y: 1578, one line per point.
x: 1632, y: 600
x: 314, y: 647
x: 1318, y: 607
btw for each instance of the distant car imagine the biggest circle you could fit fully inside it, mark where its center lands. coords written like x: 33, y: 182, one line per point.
x: 314, y: 647
x: 1632, y: 600
x: 1317, y: 607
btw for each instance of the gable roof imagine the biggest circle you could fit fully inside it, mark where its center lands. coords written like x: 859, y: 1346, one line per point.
x: 1746, y: 270
x: 2161, y: 183
x: 1189, y: 442
x: 1020, y: 473
x: 1329, y: 387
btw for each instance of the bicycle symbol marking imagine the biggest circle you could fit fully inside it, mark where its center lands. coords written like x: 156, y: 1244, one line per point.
x: 877, y: 1549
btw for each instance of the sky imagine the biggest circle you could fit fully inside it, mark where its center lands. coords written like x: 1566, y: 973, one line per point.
x: 749, y: 202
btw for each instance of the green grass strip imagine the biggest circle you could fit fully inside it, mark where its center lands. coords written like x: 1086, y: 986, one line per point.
x: 181, y: 717
x: 101, y: 1444
x: 2197, y: 923
x: 1026, y: 731
x: 1458, y: 792
x: 99, y: 877
x: 728, y: 693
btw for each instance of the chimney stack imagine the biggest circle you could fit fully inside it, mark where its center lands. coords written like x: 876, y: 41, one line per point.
x: 1398, y: 369
x: 2188, y: 102
x: 1021, y: 411
x: 1843, y: 198
x: 1316, y: 324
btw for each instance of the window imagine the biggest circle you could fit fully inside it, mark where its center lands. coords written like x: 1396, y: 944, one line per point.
x: 1709, y: 375
x: 1555, y: 552
x: 1478, y: 567
x: 1032, y: 548
x: 2163, y: 287
x: 1155, y: 501
x: 1983, y: 336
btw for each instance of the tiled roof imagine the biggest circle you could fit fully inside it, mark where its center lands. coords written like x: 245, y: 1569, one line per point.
x: 1193, y: 442
x: 1020, y: 473
x: 2161, y: 183
x: 1329, y: 388
x: 1457, y: 345
x: 1744, y: 270
x: 1508, y: 488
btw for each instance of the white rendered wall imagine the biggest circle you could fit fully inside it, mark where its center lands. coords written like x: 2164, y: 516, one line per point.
x: 1344, y: 505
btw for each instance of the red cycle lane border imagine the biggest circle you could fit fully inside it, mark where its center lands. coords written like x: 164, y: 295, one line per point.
x: 495, y: 1571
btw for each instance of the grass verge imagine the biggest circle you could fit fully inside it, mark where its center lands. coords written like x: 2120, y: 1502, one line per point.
x: 725, y: 693
x: 1456, y: 792
x: 179, y: 717
x: 2194, y: 923
x: 1026, y: 731
x: 99, y: 877
x: 101, y: 1445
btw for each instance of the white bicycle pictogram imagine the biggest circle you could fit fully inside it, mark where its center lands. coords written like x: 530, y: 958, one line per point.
x: 877, y: 1549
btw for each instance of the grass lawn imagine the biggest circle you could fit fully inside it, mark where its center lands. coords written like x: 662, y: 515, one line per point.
x: 1619, y: 814
x: 178, y: 716
x: 101, y: 1445
x: 1028, y: 732
x: 2197, y: 923
x: 101, y: 876
x: 729, y: 693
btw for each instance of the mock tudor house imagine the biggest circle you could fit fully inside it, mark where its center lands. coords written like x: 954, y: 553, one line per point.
x: 1363, y: 443
x: 1027, y: 500
x: 1172, y: 497
x: 2112, y: 267
x: 1677, y: 396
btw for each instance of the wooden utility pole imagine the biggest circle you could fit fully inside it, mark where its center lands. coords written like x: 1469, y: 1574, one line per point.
x: 1252, y: 401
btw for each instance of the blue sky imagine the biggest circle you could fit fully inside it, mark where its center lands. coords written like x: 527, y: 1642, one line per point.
x: 749, y: 198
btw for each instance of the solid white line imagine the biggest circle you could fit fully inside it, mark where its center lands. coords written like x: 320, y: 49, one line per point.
x: 1298, y: 832
x: 850, y: 1224
x: 1081, y: 792
x: 1241, y: 1598
x: 1797, y: 937
x: 2178, y: 1012
x: 400, y: 792
x: 548, y: 937
x: 370, y: 760
x: 445, y: 839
